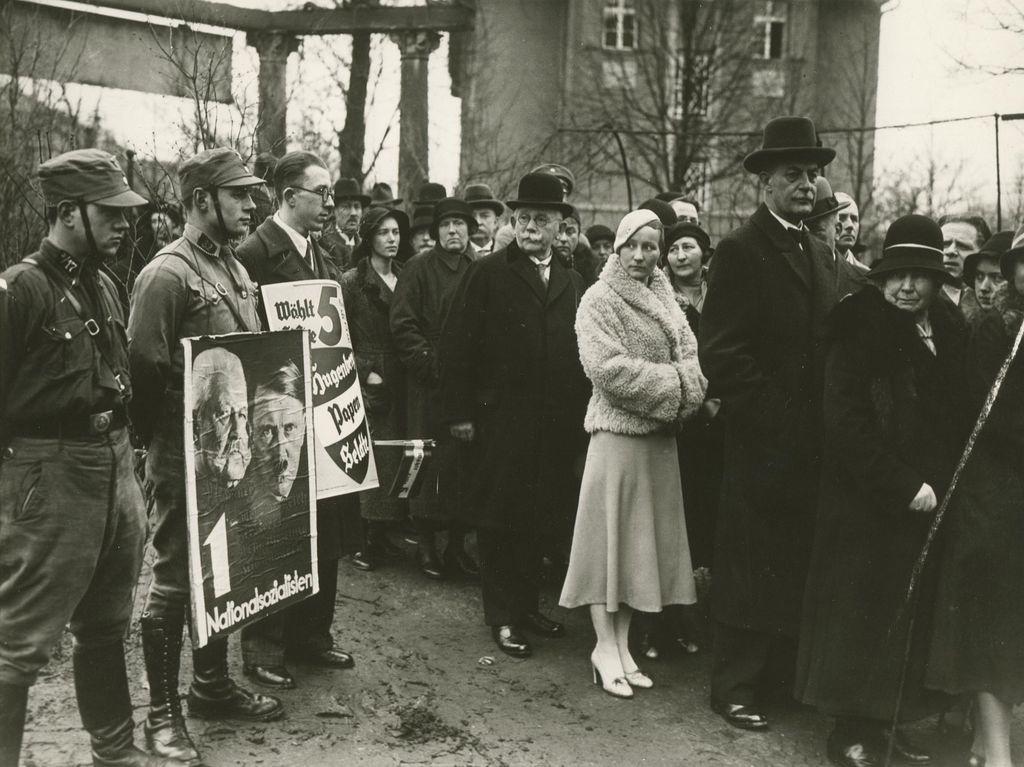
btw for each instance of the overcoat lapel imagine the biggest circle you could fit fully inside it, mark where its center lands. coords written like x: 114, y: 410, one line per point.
x: 783, y: 243
x: 285, y: 263
x: 558, y: 280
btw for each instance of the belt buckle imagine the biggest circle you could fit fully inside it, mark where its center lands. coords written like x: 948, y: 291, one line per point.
x: 93, y: 327
x: 99, y: 423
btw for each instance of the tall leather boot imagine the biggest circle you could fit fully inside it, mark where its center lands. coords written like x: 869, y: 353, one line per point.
x: 214, y: 695
x: 13, y: 700
x: 165, y: 729
x: 101, y: 686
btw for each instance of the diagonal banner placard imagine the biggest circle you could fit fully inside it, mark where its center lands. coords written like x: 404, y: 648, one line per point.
x: 343, y: 449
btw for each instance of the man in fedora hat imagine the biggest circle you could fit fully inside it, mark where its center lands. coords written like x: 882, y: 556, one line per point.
x: 195, y: 286
x: 488, y: 212
x: 381, y: 196
x: 73, y: 522
x: 513, y: 388
x: 418, y: 312
x: 823, y: 223
x: 342, y: 235
x: 770, y: 287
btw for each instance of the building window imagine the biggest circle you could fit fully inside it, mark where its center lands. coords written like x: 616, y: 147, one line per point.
x: 770, y: 30
x: 620, y: 25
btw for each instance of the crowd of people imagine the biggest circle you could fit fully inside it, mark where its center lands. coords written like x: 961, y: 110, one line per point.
x: 612, y: 408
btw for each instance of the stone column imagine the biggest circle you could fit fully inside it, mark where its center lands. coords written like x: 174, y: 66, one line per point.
x: 272, y: 127
x: 413, y: 162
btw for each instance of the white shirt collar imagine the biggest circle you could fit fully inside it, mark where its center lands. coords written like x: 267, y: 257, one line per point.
x: 542, y: 262
x: 786, y: 224
x: 301, y: 243
x: 953, y: 292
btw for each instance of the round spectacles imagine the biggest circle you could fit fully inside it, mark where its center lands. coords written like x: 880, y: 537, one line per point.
x: 325, y: 193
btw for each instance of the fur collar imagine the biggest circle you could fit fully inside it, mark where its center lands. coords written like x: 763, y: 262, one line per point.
x: 655, y: 300
x: 1010, y: 304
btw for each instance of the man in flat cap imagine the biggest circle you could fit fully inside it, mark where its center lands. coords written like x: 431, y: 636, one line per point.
x: 72, y: 517
x: 771, y: 285
x: 194, y: 287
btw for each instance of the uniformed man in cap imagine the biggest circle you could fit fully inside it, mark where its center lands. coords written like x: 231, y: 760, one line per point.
x: 72, y: 518
x: 193, y: 287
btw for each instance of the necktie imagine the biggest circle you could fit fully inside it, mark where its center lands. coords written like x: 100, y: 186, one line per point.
x: 309, y: 255
x: 542, y: 272
x: 798, y: 237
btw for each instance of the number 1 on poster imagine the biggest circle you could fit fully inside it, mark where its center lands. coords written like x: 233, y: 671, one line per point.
x: 218, y: 543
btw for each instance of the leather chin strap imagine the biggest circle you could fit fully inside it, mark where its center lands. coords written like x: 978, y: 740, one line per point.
x: 216, y: 207
x: 94, y: 253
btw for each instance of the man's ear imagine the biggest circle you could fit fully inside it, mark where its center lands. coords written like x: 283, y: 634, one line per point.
x: 201, y: 199
x: 765, y: 178
x: 67, y: 213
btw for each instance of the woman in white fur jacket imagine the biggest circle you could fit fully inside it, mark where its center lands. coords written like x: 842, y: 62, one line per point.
x: 629, y: 548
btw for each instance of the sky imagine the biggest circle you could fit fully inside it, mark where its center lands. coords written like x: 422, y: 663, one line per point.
x: 931, y: 59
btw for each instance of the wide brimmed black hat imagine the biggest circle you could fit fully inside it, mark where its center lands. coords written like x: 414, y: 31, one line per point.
x: 1008, y: 261
x: 381, y: 196
x: 481, y: 196
x: 993, y: 249
x: 540, y: 190
x: 430, y: 194
x: 370, y: 223
x: 348, y: 189
x: 914, y: 243
x: 662, y: 210
x: 451, y: 207
x: 689, y: 229
x: 825, y: 202
x: 599, y: 232
x: 787, y: 138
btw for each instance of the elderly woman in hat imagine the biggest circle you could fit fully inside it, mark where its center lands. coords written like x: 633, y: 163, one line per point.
x: 368, y: 289
x: 979, y: 615
x: 629, y: 549
x: 894, y: 420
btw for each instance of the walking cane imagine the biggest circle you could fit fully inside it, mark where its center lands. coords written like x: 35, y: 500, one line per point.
x: 915, y: 574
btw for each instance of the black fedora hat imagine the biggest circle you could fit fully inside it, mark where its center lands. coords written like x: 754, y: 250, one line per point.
x: 348, y: 189
x: 788, y: 137
x: 825, y: 202
x: 422, y: 217
x: 540, y: 190
x: 382, y: 196
x: 913, y: 242
x: 481, y: 196
x: 452, y: 207
x: 430, y: 194
x: 1015, y: 253
x: 993, y: 250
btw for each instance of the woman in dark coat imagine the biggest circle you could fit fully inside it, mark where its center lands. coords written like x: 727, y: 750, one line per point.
x: 978, y: 639
x: 367, y: 290
x: 893, y: 431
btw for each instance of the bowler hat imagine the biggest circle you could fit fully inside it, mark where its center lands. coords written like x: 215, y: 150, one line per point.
x: 1008, y: 261
x: 452, y: 207
x: 599, y: 233
x: 825, y: 202
x: 348, y: 189
x: 788, y: 138
x: 422, y: 217
x: 481, y: 196
x: 662, y: 210
x: 913, y: 242
x: 87, y: 175
x: 993, y: 249
x: 212, y: 168
x: 540, y: 190
x: 430, y: 194
x: 382, y: 196
x: 689, y: 229
x: 560, y: 172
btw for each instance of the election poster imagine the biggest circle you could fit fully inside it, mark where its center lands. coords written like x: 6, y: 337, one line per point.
x: 343, y: 447
x: 250, y: 478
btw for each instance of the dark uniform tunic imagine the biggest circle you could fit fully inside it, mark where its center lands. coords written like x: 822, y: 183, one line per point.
x: 72, y: 518
x: 191, y: 288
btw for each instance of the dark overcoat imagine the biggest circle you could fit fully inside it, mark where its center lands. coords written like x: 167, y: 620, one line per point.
x: 510, y: 364
x: 979, y: 612
x: 368, y: 302
x: 760, y: 346
x: 269, y: 255
x: 422, y: 299
x: 894, y: 419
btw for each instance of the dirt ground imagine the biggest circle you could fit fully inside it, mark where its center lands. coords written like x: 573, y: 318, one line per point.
x: 430, y: 688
